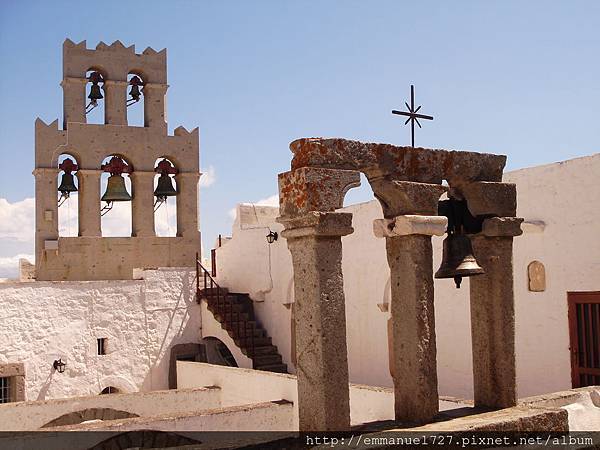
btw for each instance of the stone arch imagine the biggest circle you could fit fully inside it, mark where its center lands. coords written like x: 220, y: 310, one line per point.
x: 68, y: 207
x: 217, y: 352
x: 122, y: 384
x: 84, y: 415
x: 119, y: 221
x: 146, y: 439
x: 135, y: 109
x: 97, y: 114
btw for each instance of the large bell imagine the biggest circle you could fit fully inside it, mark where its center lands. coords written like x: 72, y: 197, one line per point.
x: 164, y: 187
x: 116, y: 190
x: 95, y: 93
x: 457, y: 259
x: 67, y: 184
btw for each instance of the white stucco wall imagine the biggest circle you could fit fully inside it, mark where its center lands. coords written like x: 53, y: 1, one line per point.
x: 142, y: 319
x: 562, y: 195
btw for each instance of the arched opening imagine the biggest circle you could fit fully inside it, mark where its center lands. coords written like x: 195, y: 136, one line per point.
x: 359, y: 194
x: 165, y: 192
x: 115, y: 191
x: 218, y: 353
x: 110, y: 390
x: 94, y: 94
x: 68, y: 198
x: 88, y: 415
x: 135, y: 99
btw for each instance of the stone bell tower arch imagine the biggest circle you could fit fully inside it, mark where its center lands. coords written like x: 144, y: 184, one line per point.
x: 90, y: 256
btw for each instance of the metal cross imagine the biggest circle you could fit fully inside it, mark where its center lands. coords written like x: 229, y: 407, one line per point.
x: 412, y: 114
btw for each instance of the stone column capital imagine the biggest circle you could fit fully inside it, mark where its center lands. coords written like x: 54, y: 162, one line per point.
x: 317, y: 224
x: 139, y: 174
x: 410, y: 224
x: 502, y: 227
x: 73, y: 80
x: 398, y: 198
x: 155, y: 86
x: 115, y: 83
x: 490, y: 198
x: 41, y: 172
x: 190, y: 175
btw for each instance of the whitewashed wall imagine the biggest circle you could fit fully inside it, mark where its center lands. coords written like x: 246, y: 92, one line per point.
x: 563, y: 195
x: 142, y: 319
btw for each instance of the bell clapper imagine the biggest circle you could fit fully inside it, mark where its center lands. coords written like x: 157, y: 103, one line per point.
x: 64, y: 196
x: 106, y: 208
x: 457, y: 281
x: 159, y: 202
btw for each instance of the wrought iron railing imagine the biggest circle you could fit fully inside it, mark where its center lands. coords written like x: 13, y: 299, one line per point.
x: 222, y: 306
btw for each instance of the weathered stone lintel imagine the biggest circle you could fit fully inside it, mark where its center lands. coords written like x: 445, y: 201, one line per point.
x: 410, y: 224
x: 317, y: 224
x: 399, y: 198
x: 405, y: 163
x: 486, y: 198
x: 502, y: 227
x: 314, y: 189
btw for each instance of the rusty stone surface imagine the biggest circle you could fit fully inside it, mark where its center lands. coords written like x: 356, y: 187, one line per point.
x: 404, y: 163
x: 493, y: 199
x: 413, y: 347
x: 399, y: 198
x: 314, y: 240
x: 502, y: 226
x: 314, y: 189
x: 493, y: 323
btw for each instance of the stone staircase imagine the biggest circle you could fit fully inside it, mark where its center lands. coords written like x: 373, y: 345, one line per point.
x: 235, y: 313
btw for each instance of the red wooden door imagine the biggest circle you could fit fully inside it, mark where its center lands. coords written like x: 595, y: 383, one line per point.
x: 584, y: 335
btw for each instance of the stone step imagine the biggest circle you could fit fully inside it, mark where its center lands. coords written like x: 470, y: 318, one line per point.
x: 233, y: 326
x: 258, y: 342
x: 267, y: 360
x: 280, y: 368
x: 264, y: 350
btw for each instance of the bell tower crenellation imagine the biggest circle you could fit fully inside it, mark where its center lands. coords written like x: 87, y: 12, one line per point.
x: 90, y: 255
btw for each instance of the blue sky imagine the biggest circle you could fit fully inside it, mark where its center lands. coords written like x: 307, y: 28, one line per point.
x: 511, y: 77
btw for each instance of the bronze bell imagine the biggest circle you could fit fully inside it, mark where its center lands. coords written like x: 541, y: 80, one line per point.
x: 67, y: 184
x: 95, y: 93
x: 116, y: 190
x: 457, y: 259
x: 164, y: 187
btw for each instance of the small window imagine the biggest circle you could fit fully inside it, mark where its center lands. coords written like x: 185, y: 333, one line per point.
x: 102, y: 346
x: 109, y: 390
x: 4, y: 390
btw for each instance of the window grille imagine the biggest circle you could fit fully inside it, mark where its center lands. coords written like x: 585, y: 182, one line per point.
x: 4, y: 390
x: 102, y: 346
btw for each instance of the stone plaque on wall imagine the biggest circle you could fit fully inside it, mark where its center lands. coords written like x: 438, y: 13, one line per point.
x: 536, y: 274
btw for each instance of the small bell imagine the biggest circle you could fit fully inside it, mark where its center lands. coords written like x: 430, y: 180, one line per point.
x: 95, y: 92
x: 164, y: 187
x: 458, y: 260
x: 135, y: 84
x: 116, y: 190
x: 67, y: 184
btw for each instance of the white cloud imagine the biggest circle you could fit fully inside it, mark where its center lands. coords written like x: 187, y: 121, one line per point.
x: 9, y: 266
x: 17, y: 219
x: 208, y: 177
x: 273, y: 200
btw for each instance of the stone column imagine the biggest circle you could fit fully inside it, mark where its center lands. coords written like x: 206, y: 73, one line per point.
x: 187, y: 203
x: 493, y: 315
x: 155, y: 115
x: 89, y: 202
x: 409, y: 210
x: 308, y: 199
x: 115, y: 96
x: 74, y: 100
x: 142, y: 208
x: 314, y: 241
x: 492, y: 296
x: 46, y: 210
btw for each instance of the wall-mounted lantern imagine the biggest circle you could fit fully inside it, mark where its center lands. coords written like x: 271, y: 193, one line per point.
x: 272, y: 236
x: 59, y: 365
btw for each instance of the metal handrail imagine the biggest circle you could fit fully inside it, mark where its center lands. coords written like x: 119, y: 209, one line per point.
x: 222, y: 309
